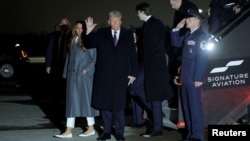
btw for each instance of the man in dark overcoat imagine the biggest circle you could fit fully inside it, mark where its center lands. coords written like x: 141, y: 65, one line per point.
x: 156, y: 74
x: 55, y: 56
x: 113, y: 74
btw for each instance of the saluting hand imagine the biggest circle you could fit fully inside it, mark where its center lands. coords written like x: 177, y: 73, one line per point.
x: 181, y: 24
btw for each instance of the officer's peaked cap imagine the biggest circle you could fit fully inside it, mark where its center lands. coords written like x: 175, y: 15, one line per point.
x: 195, y: 13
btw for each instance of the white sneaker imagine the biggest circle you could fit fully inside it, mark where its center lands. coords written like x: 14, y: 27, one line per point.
x: 64, y: 136
x: 86, y: 135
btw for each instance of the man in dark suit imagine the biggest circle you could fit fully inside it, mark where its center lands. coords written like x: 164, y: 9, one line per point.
x: 57, y: 48
x: 55, y: 58
x: 180, y: 7
x: 116, y: 68
x: 194, y: 60
x: 156, y: 76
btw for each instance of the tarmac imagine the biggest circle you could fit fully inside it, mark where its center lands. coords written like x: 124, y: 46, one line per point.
x: 25, y: 117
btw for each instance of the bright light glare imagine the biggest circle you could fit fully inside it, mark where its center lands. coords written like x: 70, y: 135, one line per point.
x: 17, y: 45
x: 200, y: 11
x: 210, y: 46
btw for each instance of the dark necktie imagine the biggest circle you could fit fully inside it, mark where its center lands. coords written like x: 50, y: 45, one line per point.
x: 115, y: 38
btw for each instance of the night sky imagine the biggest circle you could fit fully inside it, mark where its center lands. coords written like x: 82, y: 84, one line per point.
x: 41, y: 16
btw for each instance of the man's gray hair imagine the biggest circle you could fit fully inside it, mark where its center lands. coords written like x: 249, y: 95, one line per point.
x: 115, y: 13
x: 174, y: 0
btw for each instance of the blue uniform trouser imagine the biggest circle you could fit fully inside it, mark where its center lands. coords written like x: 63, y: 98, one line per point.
x: 193, y: 111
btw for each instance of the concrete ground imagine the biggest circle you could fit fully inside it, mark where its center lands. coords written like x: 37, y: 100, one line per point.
x: 25, y: 117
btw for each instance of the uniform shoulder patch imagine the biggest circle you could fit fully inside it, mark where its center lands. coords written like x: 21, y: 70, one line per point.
x: 203, y: 45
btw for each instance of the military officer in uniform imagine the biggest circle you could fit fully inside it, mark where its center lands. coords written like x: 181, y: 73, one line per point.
x: 193, y: 68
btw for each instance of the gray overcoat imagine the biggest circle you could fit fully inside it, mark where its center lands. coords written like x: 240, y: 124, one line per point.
x: 79, y: 85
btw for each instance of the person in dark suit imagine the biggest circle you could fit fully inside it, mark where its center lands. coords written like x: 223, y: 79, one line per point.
x: 194, y: 60
x: 57, y: 48
x: 156, y: 76
x: 116, y: 68
x: 55, y: 58
x: 181, y: 7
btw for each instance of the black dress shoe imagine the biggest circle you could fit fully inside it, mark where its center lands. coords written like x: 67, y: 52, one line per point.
x: 119, y: 137
x: 152, y: 134
x: 104, y: 136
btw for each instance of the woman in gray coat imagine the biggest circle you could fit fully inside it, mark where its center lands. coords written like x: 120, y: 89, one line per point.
x: 79, y: 70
